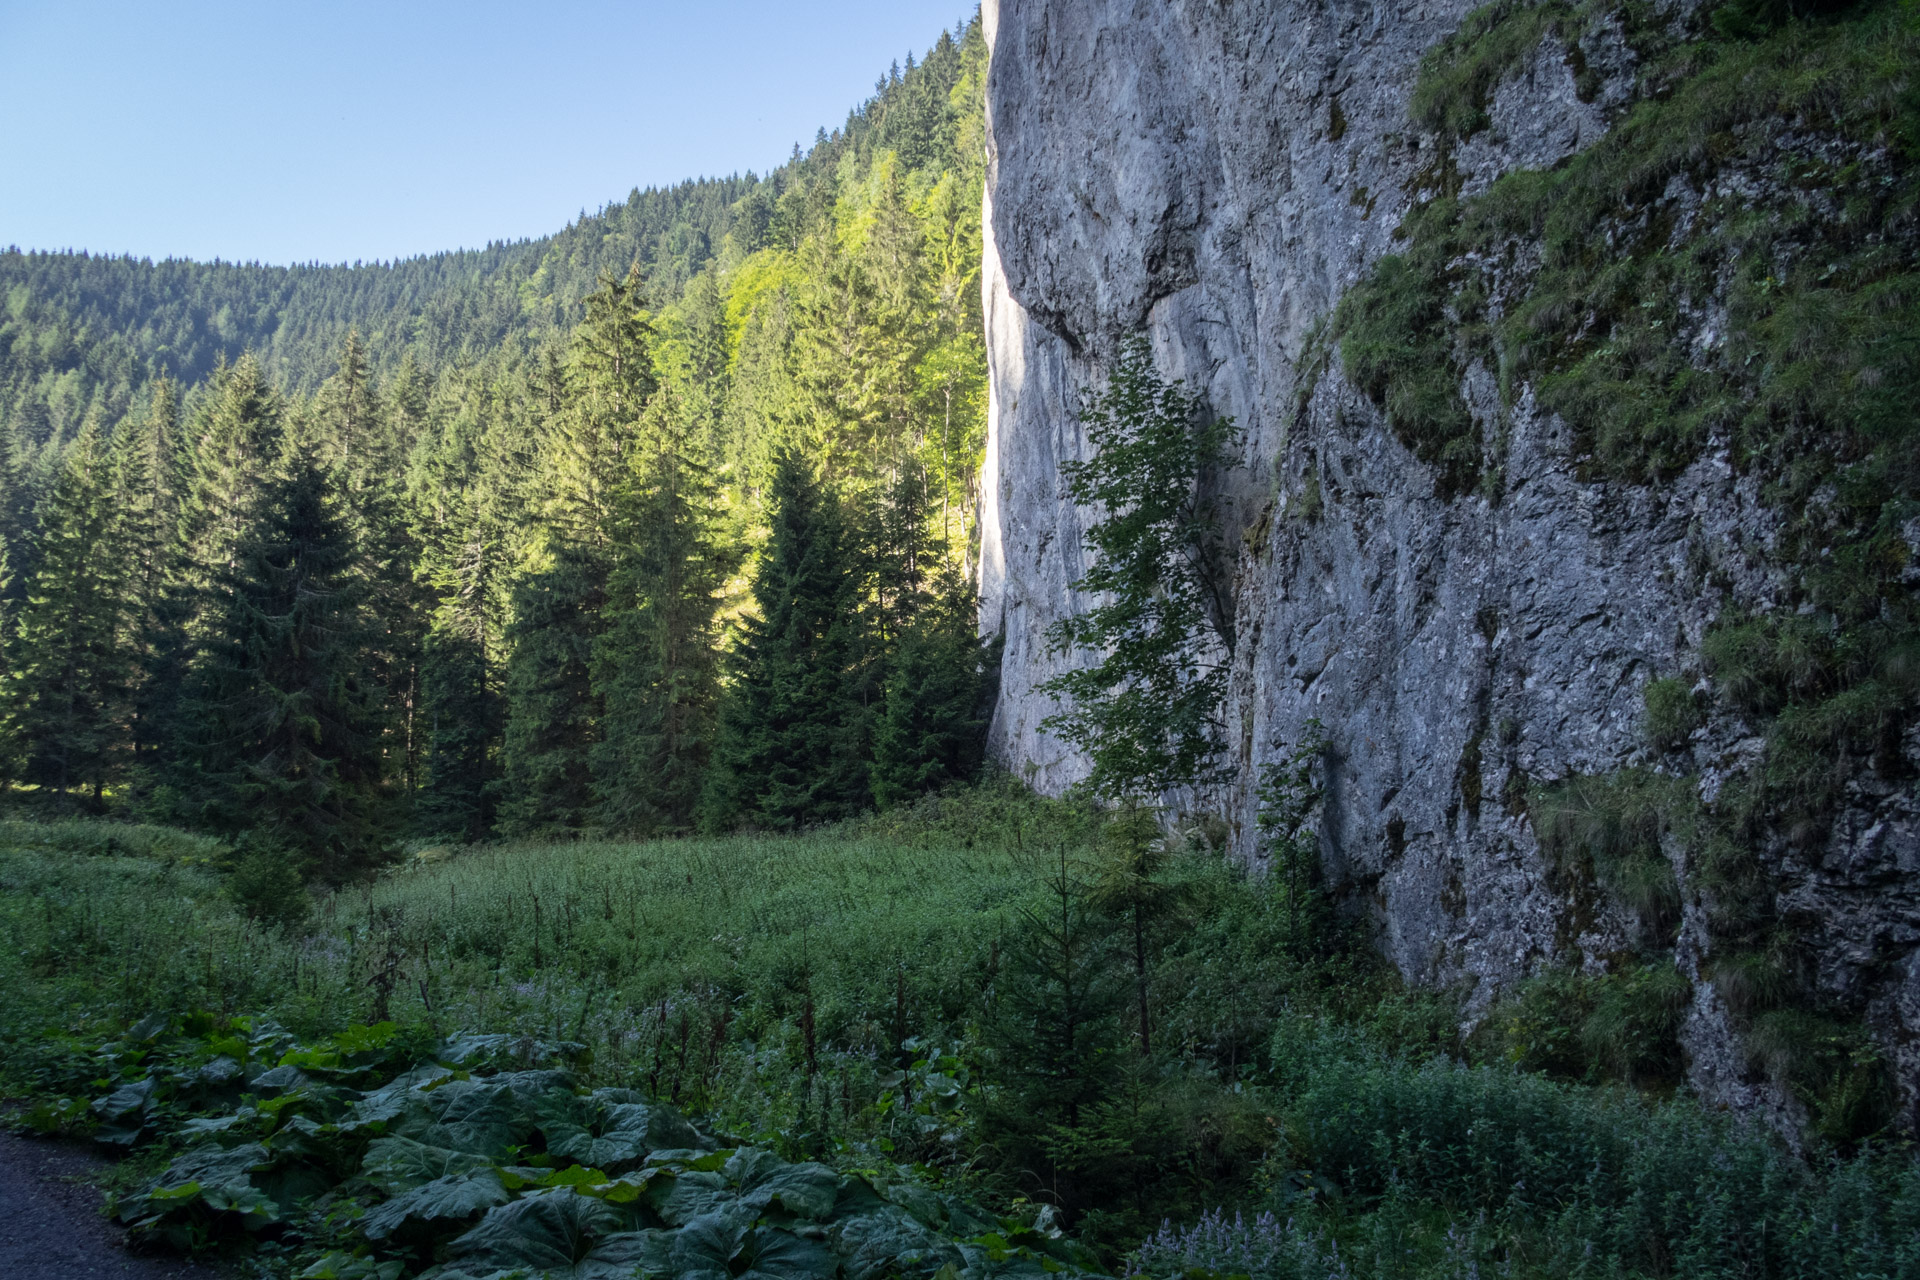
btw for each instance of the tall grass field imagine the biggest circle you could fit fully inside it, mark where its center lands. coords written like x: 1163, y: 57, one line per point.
x: 932, y: 1000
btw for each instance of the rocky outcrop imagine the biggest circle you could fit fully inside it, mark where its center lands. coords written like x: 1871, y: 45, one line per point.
x: 1218, y: 175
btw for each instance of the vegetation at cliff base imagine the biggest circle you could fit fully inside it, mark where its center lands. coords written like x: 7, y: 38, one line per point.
x: 908, y: 1043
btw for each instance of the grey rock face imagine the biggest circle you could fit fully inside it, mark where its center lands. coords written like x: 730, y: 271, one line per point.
x: 1219, y: 174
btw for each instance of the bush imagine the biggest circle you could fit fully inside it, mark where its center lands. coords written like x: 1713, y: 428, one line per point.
x: 1673, y: 713
x: 1602, y: 1182
x: 265, y: 882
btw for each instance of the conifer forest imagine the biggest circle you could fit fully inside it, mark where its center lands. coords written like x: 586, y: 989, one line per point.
x: 318, y: 559
x: 1263, y: 641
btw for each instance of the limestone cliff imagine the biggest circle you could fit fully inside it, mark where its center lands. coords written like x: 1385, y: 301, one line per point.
x: 1221, y: 175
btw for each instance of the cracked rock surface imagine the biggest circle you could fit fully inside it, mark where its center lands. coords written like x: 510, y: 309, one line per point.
x: 1218, y: 175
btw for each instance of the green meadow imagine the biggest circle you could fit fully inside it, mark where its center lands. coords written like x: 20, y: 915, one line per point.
x: 930, y: 999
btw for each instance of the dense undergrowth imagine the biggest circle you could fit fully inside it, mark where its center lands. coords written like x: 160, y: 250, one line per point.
x: 889, y: 1000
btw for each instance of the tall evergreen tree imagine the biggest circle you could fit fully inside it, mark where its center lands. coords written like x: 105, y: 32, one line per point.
x: 554, y: 711
x: 147, y: 483
x: 364, y: 447
x: 285, y: 737
x: 233, y: 442
x: 461, y: 522
x: 785, y: 755
x: 70, y: 697
x: 931, y: 729
x: 655, y: 665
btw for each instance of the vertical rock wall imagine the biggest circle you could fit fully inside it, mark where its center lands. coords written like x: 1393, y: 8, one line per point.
x: 1218, y: 174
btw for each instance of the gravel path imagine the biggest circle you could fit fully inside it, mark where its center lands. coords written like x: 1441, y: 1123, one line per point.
x: 50, y: 1223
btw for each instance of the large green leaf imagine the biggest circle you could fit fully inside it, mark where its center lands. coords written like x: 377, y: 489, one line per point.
x: 766, y: 1181
x: 487, y: 1117
x: 449, y: 1199
x: 706, y: 1247
x: 398, y: 1165
x: 392, y: 1100
x: 216, y: 1177
x: 891, y: 1241
x: 124, y: 1113
x: 774, y: 1254
x: 694, y: 1195
x: 552, y: 1232
x: 616, y: 1133
x: 727, y: 1245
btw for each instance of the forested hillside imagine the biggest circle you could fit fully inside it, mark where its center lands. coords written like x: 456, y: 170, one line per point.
x: 321, y: 557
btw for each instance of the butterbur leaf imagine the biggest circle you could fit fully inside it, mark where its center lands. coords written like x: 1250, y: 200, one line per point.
x: 456, y: 1198
x: 124, y: 1112
x: 219, y: 1177
x: 278, y: 1080
x: 708, y: 1244
x: 398, y: 1165
x: 149, y: 1027
x: 207, y: 1126
x: 501, y: 1051
x: 484, y: 1117
x: 347, y: 1266
x: 694, y: 1194
x: 219, y: 1073
x: 387, y: 1104
x: 645, y: 1252
x: 618, y: 1133
x: 891, y: 1241
x: 782, y: 1255
x: 551, y: 1233
x: 804, y: 1190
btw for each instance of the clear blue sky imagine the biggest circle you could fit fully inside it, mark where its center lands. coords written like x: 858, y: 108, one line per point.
x: 289, y: 131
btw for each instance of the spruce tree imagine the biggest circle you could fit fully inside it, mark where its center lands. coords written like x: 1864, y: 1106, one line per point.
x: 462, y: 729
x: 655, y: 665
x: 554, y: 710
x: 931, y: 730
x: 364, y: 448
x: 284, y: 745
x: 234, y: 440
x: 553, y: 713
x: 70, y: 698
x: 147, y: 482
x: 461, y: 521
x: 229, y: 448
x: 788, y: 753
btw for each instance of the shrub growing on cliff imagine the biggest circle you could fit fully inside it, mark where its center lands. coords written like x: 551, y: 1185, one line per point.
x: 1148, y: 713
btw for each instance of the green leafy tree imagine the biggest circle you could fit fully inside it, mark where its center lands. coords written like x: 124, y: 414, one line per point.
x: 1147, y: 713
x: 1290, y: 795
